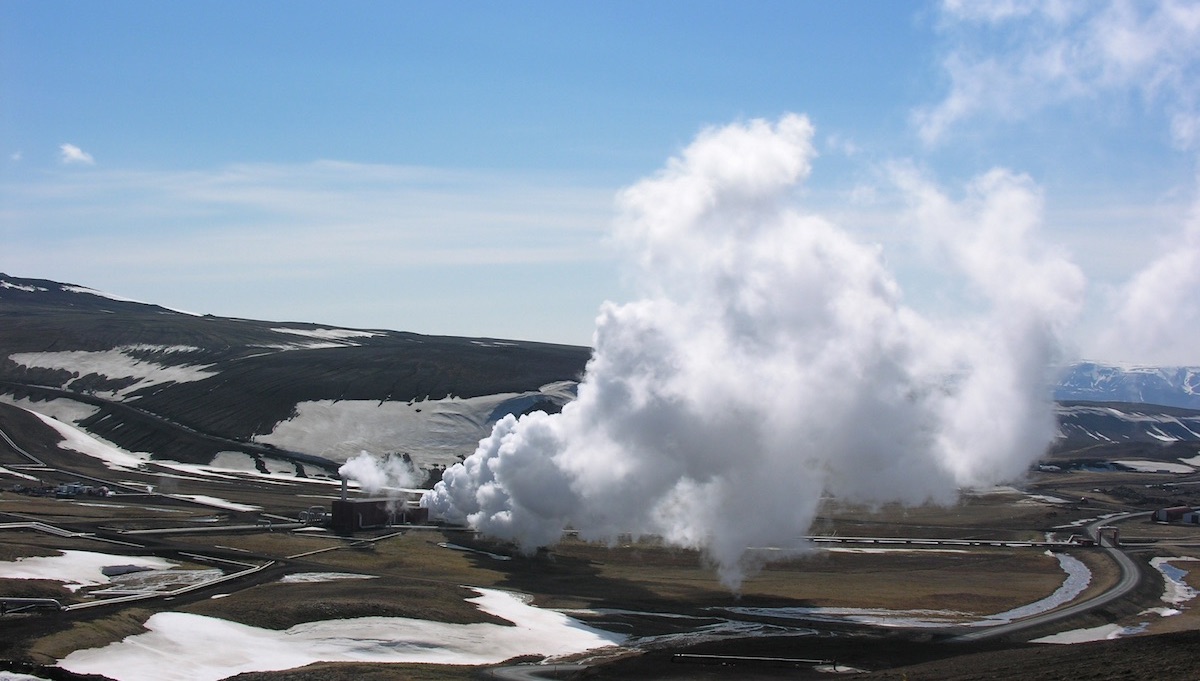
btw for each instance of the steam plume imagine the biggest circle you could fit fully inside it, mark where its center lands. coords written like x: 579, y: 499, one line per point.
x: 1008, y: 60
x: 771, y: 361
x: 374, y: 474
x: 1156, y: 315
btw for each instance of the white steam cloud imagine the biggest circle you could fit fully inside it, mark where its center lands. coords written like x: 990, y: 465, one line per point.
x: 375, y: 475
x: 1156, y: 315
x: 1009, y: 58
x: 771, y: 361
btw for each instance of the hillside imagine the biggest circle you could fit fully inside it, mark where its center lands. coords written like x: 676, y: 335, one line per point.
x: 124, y: 369
x: 184, y: 386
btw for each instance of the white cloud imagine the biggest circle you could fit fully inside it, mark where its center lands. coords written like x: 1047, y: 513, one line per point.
x: 1010, y: 58
x: 842, y: 144
x: 1000, y: 10
x: 70, y: 154
x: 1155, y: 316
x: 15, y: 156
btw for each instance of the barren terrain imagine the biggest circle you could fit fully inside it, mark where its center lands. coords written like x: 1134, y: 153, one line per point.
x: 882, y: 599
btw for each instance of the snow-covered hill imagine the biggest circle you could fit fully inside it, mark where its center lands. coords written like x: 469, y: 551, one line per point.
x: 189, y: 388
x: 1091, y: 423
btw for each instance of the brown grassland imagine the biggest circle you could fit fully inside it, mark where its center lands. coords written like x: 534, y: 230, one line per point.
x: 424, y: 573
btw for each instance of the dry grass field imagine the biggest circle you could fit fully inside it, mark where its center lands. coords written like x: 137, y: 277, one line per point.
x: 425, y: 574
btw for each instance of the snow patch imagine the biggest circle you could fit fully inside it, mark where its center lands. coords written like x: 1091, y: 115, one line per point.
x: 61, y: 408
x: 1078, y: 578
x: 836, y: 668
x: 21, y: 287
x: 206, y: 648
x: 1156, y: 433
x: 156, y: 581
x: 321, y: 338
x: 431, y: 431
x: 91, y: 291
x: 234, y: 461
x: 79, y: 441
x: 118, y: 363
x: 1103, y: 632
x: 328, y: 334
x: 1046, y: 498
x: 281, y: 472
x: 76, y: 569
x: 494, y: 344
x: 1175, y: 590
x: 1144, y: 466
x: 14, y: 676
x: 15, y: 474
x: 215, y: 502
x: 165, y: 349
x: 1161, y: 612
x: 1084, y: 521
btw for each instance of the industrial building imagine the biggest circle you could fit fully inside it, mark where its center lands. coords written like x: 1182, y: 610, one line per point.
x: 353, y: 514
x: 1175, y: 514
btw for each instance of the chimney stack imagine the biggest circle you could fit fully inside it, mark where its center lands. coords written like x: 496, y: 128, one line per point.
x: 345, y: 484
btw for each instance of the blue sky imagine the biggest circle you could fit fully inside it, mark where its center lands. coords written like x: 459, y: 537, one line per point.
x: 451, y: 167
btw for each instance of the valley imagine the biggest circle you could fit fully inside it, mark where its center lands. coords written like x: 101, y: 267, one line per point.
x: 133, y: 531
x: 927, y: 576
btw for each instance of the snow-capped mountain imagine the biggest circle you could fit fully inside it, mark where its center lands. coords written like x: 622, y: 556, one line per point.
x: 1168, y: 386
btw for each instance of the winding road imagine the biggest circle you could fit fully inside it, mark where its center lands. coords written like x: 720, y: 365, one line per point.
x: 1130, y: 576
x: 1129, y: 580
